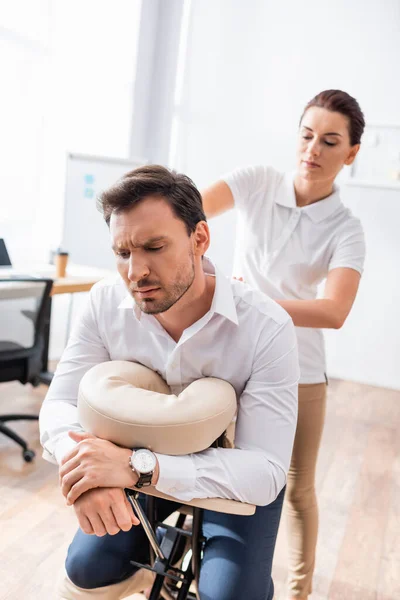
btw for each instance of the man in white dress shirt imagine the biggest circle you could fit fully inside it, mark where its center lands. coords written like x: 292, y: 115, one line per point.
x: 171, y: 310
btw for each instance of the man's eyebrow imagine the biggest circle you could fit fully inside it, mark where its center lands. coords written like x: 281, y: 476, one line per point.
x: 148, y: 242
x: 330, y: 133
x: 154, y: 240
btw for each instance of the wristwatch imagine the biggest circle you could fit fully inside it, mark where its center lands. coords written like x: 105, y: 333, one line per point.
x: 143, y: 462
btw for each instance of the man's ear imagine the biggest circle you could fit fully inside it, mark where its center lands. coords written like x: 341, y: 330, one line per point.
x: 352, y: 154
x: 201, y: 238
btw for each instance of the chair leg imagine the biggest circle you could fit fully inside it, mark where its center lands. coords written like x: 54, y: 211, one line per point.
x: 168, y: 550
x: 14, y: 436
x: 27, y: 453
x: 18, y: 417
x: 197, y: 542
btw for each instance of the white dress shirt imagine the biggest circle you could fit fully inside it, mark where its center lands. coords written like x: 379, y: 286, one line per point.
x: 245, y: 338
x: 286, y: 251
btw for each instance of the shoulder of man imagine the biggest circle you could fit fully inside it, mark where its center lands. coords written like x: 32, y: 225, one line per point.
x: 254, y: 304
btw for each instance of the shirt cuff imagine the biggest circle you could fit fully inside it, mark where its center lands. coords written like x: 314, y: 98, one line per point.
x: 177, y: 476
x: 62, y: 447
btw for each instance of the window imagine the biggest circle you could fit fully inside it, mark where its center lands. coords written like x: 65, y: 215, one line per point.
x: 68, y: 71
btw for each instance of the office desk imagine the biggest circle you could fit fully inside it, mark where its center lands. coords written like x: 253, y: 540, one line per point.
x: 78, y: 279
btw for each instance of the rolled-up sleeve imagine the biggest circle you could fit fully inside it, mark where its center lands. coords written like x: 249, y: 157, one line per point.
x: 255, y: 471
x: 59, y: 413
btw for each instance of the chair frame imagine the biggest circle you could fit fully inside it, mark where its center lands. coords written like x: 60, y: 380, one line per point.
x: 163, y: 556
x: 23, y: 355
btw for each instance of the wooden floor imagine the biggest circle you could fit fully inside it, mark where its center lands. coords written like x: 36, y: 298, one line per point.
x: 358, y: 554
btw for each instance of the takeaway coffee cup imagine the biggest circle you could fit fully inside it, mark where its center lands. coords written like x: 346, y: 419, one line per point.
x: 61, y: 261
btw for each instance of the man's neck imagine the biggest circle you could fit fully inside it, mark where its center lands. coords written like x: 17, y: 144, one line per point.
x: 308, y: 192
x: 193, y: 305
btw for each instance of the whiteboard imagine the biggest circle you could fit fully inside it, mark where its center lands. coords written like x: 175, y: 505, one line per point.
x: 85, y: 233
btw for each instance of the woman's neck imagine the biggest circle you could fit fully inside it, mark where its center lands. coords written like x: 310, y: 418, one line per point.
x: 308, y: 192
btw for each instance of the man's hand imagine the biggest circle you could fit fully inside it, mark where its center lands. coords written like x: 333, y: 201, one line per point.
x: 105, y: 510
x: 94, y: 463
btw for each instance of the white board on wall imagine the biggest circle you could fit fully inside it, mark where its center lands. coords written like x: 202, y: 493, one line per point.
x: 85, y: 234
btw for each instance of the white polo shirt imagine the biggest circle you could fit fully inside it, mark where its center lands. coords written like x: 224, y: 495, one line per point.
x: 245, y: 338
x: 286, y: 251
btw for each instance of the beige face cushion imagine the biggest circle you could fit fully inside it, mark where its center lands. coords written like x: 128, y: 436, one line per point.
x: 132, y: 406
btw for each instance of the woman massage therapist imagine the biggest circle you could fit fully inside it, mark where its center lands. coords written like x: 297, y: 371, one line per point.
x: 295, y: 232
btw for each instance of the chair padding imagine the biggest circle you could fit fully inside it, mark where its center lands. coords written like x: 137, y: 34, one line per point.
x: 223, y: 505
x: 132, y: 406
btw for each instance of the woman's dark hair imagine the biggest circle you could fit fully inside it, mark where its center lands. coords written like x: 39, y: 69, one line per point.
x: 343, y: 103
x: 154, y: 180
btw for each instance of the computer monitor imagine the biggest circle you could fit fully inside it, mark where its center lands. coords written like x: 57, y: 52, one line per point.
x: 4, y: 257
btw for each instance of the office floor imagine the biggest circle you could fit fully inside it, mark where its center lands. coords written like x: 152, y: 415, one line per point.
x: 358, y: 486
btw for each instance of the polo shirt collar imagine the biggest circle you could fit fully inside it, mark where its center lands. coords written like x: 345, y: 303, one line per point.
x: 318, y: 211
x: 223, y: 302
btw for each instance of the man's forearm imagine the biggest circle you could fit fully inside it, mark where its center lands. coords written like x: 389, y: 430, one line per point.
x: 242, y: 475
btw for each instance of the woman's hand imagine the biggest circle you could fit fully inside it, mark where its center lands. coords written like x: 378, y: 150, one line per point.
x: 94, y: 463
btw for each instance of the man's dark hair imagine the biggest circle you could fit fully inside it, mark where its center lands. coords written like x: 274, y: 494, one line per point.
x: 154, y: 180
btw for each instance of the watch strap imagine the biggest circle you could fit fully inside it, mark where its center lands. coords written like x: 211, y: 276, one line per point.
x: 144, y: 480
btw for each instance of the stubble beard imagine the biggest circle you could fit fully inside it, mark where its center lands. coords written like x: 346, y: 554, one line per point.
x: 174, y: 293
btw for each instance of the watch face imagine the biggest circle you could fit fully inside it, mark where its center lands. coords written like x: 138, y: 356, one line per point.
x: 144, y: 461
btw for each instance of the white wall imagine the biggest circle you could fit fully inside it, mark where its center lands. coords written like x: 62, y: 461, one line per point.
x: 68, y: 72
x: 250, y: 67
x: 367, y: 349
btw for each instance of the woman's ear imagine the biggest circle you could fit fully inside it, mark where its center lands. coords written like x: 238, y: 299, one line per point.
x: 352, y: 154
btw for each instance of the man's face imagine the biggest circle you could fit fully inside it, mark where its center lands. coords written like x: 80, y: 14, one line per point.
x: 154, y: 254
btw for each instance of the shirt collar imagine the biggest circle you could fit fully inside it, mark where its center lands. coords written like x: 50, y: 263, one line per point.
x: 223, y: 302
x: 318, y: 211
x: 128, y: 302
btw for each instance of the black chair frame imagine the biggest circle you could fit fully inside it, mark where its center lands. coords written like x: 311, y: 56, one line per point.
x: 25, y: 364
x: 171, y: 582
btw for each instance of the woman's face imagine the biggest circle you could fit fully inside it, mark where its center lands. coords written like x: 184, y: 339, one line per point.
x: 323, y: 145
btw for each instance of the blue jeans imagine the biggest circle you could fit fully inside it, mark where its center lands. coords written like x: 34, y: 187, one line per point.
x: 237, y: 558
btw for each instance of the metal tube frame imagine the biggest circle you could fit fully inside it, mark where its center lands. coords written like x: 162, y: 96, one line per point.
x: 162, y: 555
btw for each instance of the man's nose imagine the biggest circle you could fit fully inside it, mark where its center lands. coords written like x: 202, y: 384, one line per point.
x: 138, y: 269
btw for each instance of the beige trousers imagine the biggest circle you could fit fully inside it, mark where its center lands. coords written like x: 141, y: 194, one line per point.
x: 300, y: 501
x: 138, y: 582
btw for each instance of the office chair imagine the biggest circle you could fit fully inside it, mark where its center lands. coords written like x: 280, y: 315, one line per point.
x: 22, y: 324
x: 4, y: 256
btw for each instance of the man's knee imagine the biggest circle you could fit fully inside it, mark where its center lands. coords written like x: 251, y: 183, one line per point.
x: 139, y: 581
x: 87, y: 571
